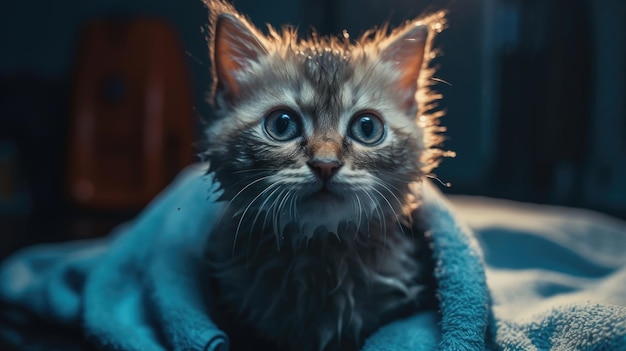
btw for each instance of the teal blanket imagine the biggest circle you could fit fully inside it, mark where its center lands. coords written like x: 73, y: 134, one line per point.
x: 510, y: 276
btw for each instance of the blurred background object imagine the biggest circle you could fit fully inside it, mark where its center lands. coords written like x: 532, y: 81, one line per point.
x: 535, y: 100
x: 130, y: 128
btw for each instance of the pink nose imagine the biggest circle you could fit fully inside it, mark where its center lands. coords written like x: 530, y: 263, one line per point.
x: 325, y: 169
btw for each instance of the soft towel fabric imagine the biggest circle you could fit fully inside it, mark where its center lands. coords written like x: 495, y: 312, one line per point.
x: 548, y: 278
x: 557, y: 276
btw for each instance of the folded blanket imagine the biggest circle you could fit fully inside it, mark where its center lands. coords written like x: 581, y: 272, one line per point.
x: 554, y: 280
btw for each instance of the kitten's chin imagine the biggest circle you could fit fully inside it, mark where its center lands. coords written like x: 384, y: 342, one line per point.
x: 323, y: 209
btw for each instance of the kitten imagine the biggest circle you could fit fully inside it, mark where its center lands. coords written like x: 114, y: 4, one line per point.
x: 320, y: 145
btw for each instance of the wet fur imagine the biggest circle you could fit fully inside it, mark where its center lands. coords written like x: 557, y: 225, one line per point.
x: 303, y: 272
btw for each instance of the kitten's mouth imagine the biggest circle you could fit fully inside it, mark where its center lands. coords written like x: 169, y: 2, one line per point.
x: 325, y: 195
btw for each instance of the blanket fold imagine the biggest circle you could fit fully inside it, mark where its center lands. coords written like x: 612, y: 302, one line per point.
x: 508, y: 278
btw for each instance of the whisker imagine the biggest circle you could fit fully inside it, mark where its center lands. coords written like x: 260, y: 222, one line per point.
x: 293, y: 208
x: 243, y: 181
x: 447, y: 184
x: 244, y: 215
x: 384, y: 199
x: 390, y: 207
x: 378, y: 210
x: 360, y: 210
x: 395, y: 216
x: 256, y: 170
x: 382, y: 223
x: 441, y: 81
x: 272, y: 208
x: 279, y: 209
x: 384, y: 186
x: 277, y: 186
x: 244, y: 189
x: 260, y: 209
x: 403, y: 178
x: 403, y: 181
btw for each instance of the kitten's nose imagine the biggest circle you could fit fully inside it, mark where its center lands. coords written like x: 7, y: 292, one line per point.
x: 325, y: 169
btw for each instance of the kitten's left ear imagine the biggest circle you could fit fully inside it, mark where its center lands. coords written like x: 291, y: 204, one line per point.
x: 235, y: 45
x: 405, y: 50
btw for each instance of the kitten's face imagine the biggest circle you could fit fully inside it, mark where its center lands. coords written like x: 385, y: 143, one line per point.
x: 315, y: 133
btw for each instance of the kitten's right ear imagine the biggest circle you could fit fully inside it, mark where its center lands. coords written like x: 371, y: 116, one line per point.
x: 406, y: 50
x: 235, y: 46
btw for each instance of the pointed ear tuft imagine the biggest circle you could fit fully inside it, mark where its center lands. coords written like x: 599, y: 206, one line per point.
x: 406, y: 50
x: 235, y: 45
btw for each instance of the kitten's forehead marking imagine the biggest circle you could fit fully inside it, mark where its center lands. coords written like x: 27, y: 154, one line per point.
x: 326, y: 71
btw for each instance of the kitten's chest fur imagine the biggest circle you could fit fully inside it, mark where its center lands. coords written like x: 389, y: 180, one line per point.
x: 327, y: 293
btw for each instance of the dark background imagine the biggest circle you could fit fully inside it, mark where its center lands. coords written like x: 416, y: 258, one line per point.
x: 535, y: 105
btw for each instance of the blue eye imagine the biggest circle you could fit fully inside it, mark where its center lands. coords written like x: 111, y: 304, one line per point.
x: 282, y: 125
x: 367, y: 128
